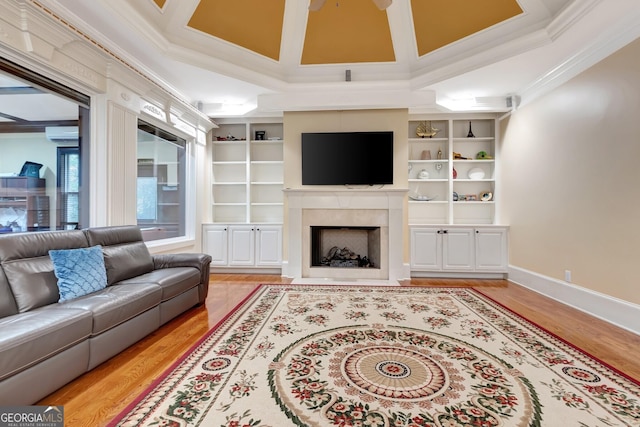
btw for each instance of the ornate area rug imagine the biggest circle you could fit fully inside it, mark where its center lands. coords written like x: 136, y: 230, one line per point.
x: 383, y: 356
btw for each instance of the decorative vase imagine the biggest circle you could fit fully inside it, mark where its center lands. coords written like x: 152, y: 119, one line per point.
x: 455, y: 173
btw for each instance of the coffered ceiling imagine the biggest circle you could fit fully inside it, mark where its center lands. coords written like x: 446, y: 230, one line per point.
x: 258, y: 57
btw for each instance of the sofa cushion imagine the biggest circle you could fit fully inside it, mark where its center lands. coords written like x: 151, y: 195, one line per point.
x: 28, y: 268
x: 79, y: 271
x: 117, y: 304
x: 31, y: 337
x: 8, y: 304
x: 32, y: 282
x: 173, y: 281
x: 125, y: 254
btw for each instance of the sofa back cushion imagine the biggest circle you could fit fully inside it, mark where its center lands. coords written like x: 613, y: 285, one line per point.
x: 125, y: 254
x: 28, y: 269
x: 8, y: 304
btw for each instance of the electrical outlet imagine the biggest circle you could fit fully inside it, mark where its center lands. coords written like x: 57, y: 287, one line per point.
x: 567, y: 276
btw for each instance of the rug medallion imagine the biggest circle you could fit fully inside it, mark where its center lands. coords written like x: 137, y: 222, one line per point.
x: 383, y: 356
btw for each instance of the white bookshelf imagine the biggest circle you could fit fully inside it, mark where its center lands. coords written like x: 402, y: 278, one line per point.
x: 247, y: 173
x: 459, y: 199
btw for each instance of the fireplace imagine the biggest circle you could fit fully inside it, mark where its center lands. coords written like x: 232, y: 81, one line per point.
x: 378, y: 213
x: 345, y: 247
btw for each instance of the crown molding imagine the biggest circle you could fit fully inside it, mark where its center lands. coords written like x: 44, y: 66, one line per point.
x: 626, y: 30
x: 569, y: 16
x: 346, y: 99
x: 116, y: 63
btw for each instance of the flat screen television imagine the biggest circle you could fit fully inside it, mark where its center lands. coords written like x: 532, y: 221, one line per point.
x: 347, y: 158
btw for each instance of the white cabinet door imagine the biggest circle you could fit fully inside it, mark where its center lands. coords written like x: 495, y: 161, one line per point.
x: 215, y: 243
x: 458, y: 249
x: 268, y: 245
x: 426, y: 248
x: 491, y: 249
x: 241, y: 245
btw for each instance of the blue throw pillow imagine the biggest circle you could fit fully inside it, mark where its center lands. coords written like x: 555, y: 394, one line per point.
x: 79, y: 271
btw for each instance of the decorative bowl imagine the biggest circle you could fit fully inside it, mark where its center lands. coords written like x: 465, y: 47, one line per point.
x: 486, y: 196
x: 421, y: 198
x: 475, y: 173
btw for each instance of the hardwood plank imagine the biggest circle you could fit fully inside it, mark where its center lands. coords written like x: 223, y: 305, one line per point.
x: 615, y: 346
x: 95, y: 398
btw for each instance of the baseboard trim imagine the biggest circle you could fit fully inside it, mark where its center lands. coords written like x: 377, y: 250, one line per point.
x: 247, y: 270
x: 457, y: 275
x: 616, y: 311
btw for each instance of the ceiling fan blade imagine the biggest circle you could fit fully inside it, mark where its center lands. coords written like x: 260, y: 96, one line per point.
x: 315, y: 5
x: 382, y: 4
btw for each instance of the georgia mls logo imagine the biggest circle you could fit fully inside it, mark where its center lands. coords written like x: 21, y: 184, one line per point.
x: 32, y: 416
x: 54, y: 410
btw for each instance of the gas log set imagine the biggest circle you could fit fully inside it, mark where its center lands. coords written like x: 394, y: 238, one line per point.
x: 344, y: 257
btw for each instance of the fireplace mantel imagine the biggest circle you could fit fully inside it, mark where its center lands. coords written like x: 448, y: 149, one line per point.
x: 384, y: 206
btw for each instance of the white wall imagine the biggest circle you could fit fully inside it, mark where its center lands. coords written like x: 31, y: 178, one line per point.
x: 16, y: 148
x: 571, y: 173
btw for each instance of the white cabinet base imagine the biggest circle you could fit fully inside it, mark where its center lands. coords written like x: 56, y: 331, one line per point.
x: 243, y: 248
x: 459, y: 251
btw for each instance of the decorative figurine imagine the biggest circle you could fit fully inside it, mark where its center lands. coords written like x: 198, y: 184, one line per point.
x: 426, y: 130
x: 470, y: 134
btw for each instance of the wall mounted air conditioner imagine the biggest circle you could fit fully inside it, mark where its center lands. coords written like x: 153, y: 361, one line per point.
x: 62, y: 134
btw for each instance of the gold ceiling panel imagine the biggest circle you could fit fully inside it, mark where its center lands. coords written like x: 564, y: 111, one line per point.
x: 347, y: 31
x: 160, y: 3
x: 253, y: 24
x: 438, y: 23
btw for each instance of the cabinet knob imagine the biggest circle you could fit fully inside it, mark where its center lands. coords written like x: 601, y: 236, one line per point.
x: 445, y: 231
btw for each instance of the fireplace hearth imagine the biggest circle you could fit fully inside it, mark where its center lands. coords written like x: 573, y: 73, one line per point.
x: 340, y: 209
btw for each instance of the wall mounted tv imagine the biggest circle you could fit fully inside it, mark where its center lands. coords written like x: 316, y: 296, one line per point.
x: 347, y: 158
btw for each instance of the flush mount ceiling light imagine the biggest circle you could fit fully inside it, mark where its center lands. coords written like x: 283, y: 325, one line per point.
x: 315, y: 5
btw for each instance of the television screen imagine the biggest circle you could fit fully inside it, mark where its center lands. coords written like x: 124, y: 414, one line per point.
x: 347, y: 158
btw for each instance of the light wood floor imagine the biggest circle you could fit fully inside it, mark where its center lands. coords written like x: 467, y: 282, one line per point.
x: 98, y: 396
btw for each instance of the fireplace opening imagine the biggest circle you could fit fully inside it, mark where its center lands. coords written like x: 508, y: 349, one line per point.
x: 345, y: 247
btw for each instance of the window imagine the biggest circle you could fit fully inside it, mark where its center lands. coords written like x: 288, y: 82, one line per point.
x: 160, y: 183
x: 69, y: 187
x: 42, y: 128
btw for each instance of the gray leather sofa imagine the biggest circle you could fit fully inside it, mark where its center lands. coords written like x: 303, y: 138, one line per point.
x: 45, y: 344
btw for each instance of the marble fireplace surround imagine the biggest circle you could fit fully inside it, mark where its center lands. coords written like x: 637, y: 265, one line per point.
x: 347, y: 208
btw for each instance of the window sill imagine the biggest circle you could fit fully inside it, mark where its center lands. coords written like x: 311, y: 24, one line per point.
x: 173, y: 244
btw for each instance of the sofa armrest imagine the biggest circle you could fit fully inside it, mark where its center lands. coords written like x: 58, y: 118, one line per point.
x: 196, y: 260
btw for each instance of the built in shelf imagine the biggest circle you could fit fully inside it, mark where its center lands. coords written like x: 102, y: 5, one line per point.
x: 247, y: 173
x: 452, y: 140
